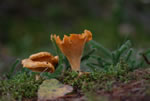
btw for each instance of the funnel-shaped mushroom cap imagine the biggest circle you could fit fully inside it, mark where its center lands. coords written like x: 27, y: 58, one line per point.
x: 42, y: 61
x: 72, y: 47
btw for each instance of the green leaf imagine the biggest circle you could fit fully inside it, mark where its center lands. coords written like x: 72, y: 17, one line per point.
x: 99, y: 47
x: 125, y: 46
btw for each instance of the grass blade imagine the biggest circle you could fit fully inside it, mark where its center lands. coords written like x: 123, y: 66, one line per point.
x: 58, y: 52
x: 86, y: 56
x: 13, y: 67
x: 101, y: 48
x: 117, y: 54
x: 125, y: 46
x: 129, y: 55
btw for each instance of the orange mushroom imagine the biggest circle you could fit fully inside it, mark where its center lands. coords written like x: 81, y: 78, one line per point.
x: 40, y: 62
x: 72, y: 47
x: 44, y: 56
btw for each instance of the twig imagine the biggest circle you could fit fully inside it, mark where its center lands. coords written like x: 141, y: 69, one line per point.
x: 146, y: 59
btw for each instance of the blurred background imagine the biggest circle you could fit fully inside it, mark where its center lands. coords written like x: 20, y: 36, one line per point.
x: 26, y: 25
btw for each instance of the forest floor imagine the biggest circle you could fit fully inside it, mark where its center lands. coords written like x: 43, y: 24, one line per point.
x: 134, y: 86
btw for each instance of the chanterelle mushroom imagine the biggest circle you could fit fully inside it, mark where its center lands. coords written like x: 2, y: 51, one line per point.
x: 72, y: 47
x: 42, y: 61
x: 44, y: 56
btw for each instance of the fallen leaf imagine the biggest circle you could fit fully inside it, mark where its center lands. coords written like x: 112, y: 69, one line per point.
x: 52, y: 89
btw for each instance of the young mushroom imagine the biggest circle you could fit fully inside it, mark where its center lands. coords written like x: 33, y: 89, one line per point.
x: 72, y: 47
x: 40, y: 62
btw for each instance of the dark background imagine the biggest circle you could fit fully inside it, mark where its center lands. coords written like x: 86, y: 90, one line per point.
x: 26, y: 25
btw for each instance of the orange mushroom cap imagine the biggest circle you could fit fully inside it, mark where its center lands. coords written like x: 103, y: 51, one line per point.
x: 42, y: 61
x: 38, y: 66
x: 44, y: 56
x: 72, y: 47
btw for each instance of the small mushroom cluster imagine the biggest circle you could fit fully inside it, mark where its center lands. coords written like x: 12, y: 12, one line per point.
x: 41, y: 62
x: 71, y: 46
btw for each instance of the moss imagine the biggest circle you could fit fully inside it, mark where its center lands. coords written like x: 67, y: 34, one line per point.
x: 97, y: 80
x: 22, y: 85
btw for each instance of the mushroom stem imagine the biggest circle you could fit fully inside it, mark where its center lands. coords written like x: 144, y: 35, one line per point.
x: 75, y: 63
